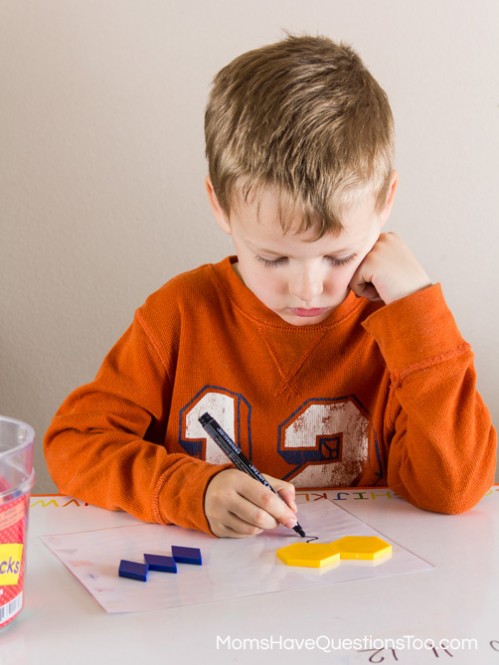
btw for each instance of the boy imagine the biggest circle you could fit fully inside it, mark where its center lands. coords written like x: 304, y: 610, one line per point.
x: 322, y: 347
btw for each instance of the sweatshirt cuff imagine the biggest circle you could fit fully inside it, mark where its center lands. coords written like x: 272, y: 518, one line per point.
x: 415, y: 331
x: 181, y: 491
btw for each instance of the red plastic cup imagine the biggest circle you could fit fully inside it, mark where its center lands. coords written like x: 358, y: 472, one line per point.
x: 16, y: 481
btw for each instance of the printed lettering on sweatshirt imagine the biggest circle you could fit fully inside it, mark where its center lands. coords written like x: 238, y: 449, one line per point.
x: 324, y: 442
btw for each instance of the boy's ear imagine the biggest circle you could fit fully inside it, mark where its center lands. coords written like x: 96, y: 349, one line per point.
x: 392, y: 188
x: 216, y: 208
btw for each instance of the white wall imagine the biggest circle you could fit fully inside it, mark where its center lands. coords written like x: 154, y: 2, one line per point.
x: 102, y: 163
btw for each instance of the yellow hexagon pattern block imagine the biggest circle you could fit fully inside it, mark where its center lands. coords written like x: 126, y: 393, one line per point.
x: 319, y: 555
x: 310, y: 555
x: 362, y: 547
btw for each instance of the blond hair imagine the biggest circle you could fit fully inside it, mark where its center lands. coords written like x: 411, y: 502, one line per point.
x: 305, y: 117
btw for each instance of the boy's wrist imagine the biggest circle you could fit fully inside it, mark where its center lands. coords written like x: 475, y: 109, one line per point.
x: 398, y: 291
x: 180, y: 495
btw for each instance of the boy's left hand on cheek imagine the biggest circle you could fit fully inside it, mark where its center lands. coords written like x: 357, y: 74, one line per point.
x: 389, y: 272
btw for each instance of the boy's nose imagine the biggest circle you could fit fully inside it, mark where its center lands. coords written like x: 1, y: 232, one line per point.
x: 306, y: 285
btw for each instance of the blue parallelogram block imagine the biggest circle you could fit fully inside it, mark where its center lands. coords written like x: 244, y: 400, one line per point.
x: 165, y: 564
x: 187, y: 555
x: 133, y: 570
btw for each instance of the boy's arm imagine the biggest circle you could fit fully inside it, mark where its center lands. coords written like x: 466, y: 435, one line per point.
x: 97, y: 449
x: 442, y: 446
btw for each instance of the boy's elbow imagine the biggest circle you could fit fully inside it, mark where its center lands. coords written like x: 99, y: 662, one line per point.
x: 449, y: 498
x: 450, y: 486
x: 447, y: 504
x: 449, y: 493
x: 59, y: 459
x: 456, y: 504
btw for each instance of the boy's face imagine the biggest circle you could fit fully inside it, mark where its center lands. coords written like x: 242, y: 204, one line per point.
x: 299, y: 278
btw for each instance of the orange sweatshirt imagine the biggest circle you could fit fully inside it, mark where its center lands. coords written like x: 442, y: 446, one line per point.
x: 373, y: 395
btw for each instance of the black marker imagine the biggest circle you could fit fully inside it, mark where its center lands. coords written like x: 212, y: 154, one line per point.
x: 237, y: 457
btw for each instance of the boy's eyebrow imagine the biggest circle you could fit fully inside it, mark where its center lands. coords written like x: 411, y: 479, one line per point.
x: 345, y: 251
x: 269, y: 252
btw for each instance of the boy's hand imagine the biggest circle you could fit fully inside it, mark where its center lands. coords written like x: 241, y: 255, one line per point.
x: 236, y: 505
x: 389, y: 271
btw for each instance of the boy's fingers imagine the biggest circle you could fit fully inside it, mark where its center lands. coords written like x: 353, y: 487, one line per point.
x: 233, y: 527
x: 285, y: 490
x: 389, y: 271
x: 362, y: 285
x: 265, y: 500
x: 238, y: 505
x: 288, y: 496
x: 365, y: 290
x: 261, y: 519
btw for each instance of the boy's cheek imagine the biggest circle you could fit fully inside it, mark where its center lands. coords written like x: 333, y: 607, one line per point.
x: 361, y: 260
x: 353, y: 269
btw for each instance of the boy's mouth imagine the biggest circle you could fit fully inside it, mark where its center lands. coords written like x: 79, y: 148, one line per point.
x: 311, y: 312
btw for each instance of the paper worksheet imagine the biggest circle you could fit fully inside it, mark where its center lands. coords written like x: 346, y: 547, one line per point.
x: 231, y: 567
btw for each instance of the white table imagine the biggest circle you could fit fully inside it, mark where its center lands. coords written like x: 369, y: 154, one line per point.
x: 62, y: 624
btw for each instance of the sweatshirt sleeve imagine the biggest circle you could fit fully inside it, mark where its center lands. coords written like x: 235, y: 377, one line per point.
x: 442, y: 445
x: 106, y: 446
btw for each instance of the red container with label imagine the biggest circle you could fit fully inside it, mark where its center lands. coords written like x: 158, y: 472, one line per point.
x: 16, y: 480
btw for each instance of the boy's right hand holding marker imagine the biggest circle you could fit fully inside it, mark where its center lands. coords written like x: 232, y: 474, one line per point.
x: 236, y: 505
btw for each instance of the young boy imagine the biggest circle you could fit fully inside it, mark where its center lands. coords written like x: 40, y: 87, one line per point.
x: 322, y: 347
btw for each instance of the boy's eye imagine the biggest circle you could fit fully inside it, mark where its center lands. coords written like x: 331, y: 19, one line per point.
x: 272, y: 263
x: 335, y: 261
